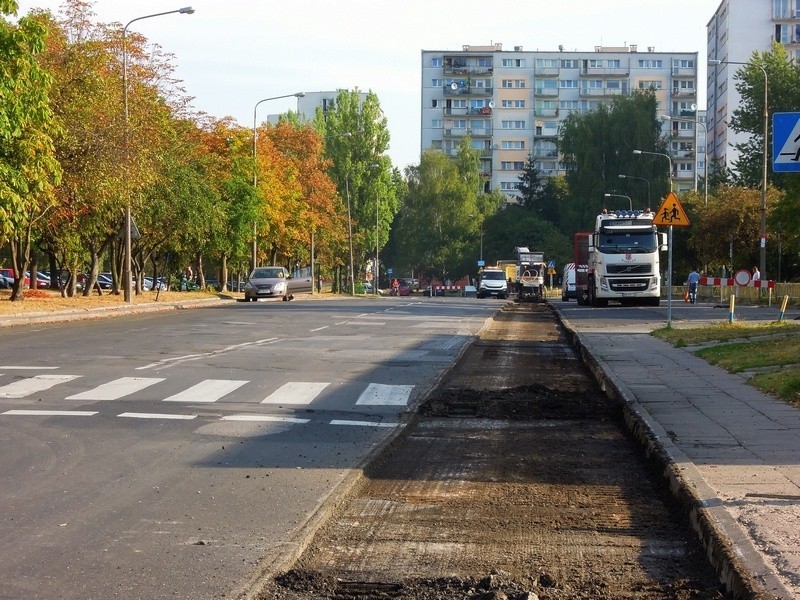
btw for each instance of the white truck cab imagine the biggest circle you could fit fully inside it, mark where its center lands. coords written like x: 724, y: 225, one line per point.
x: 492, y: 283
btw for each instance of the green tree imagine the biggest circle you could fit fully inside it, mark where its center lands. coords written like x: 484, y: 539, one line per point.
x: 28, y: 167
x: 783, y: 78
x: 530, y: 185
x: 356, y: 140
x: 597, y: 146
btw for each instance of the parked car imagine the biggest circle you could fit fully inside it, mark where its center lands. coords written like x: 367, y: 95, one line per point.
x: 6, y: 279
x: 404, y: 288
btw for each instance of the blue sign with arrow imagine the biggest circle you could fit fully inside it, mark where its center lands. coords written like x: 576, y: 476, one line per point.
x: 786, y: 142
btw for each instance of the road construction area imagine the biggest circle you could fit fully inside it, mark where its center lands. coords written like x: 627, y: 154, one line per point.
x: 515, y: 478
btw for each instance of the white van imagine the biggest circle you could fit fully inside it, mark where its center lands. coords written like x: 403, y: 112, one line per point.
x: 568, y: 282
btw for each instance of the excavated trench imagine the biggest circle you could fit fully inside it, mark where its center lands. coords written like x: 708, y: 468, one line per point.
x: 515, y: 481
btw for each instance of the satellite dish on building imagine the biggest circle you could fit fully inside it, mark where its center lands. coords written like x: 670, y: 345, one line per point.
x: 454, y: 86
x: 491, y: 104
x: 694, y: 107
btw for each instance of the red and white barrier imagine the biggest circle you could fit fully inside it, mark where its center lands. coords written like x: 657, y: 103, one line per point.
x: 759, y: 283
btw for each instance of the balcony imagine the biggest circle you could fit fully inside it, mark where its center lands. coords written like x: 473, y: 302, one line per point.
x: 547, y: 92
x: 545, y: 153
x: 682, y: 134
x: 467, y: 90
x: 684, y: 72
x: 546, y: 71
x: 602, y: 92
x: 484, y: 111
x: 683, y: 93
x: 546, y: 112
x: 601, y: 72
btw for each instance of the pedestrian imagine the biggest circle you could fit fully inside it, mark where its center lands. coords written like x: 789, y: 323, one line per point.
x: 692, y: 280
x: 756, y: 274
x: 395, y: 288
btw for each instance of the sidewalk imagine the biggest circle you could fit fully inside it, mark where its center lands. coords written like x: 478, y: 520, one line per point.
x: 730, y: 452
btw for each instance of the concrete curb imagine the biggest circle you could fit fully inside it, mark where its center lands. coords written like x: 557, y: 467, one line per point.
x: 107, y: 311
x: 730, y: 551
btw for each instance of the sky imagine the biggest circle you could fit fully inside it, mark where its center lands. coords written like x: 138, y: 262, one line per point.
x: 232, y: 53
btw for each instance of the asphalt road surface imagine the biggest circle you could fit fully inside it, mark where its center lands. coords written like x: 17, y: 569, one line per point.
x: 168, y: 455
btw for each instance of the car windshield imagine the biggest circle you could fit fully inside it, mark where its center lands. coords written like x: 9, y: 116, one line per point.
x: 495, y: 275
x: 625, y: 242
x: 267, y: 274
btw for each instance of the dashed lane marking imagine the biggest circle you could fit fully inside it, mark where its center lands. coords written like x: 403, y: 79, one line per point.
x: 135, y: 415
x: 51, y: 413
x: 362, y: 423
x: 176, y: 360
x: 265, y: 418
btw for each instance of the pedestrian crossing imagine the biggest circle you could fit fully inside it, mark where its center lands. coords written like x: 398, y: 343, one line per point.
x: 291, y: 394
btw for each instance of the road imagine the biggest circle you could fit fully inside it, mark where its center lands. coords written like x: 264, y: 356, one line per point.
x: 168, y: 455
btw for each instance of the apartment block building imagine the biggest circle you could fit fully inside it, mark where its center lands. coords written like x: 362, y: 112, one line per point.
x: 511, y: 102
x: 737, y: 29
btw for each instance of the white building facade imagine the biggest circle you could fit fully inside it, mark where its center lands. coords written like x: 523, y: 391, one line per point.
x: 511, y: 103
x: 737, y: 29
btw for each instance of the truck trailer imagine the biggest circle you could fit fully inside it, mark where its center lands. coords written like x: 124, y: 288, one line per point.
x: 530, y: 273
x: 619, y: 260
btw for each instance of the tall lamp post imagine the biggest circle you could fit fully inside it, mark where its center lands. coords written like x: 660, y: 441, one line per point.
x: 126, y: 271
x: 630, y: 202
x: 705, y: 171
x: 669, y: 260
x: 255, y: 165
x: 647, y: 181
x: 763, y: 257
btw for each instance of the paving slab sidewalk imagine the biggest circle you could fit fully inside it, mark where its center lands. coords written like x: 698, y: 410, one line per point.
x: 731, y: 450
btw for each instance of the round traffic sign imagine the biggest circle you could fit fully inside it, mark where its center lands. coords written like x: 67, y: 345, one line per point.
x: 742, y: 277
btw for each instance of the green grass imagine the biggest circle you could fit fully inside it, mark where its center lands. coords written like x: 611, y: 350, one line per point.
x: 778, y: 346
x: 746, y: 356
x: 723, y: 332
x: 781, y: 384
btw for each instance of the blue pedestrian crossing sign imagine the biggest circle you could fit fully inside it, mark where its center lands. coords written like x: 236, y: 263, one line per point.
x: 786, y: 142
x: 551, y: 264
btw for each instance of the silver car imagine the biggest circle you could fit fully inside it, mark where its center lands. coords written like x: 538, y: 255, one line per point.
x: 267, y: 282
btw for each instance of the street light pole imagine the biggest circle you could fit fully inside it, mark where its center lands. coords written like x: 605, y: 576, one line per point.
x: 126, y: 271
x: 705, y: 170
x: 255, y: 166
x: 763, y: 232
x: 630, y: 202
x: 669, y: 242
x: 647, y: 181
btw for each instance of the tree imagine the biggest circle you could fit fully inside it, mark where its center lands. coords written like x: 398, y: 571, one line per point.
x: 597, y: 146
x: 28, y: 167
x: 530, y: 185
x: 783, y: 78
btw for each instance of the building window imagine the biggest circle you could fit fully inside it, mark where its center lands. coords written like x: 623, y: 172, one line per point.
x: 594, y: 84
x: 613, y: 63
x: 594, y: 63
x: 436, y: 62
x: 651, y: 63
x: 513, y: 145
x: 544, y: 86
x: 568, y: 83
x: 484, y: 62
x: 645, y: 84
x: 436, y: 123
x: 513, y: 83
x: 546, y: 63
x: 685, y: 167
x: 436, y: 103
x: 436, y: 144
x: 460, y: 124
x: 512, y: 124
x: 514, y: 62
x: 683, y: 63
x: 436, y: 83
x: 782, y: 9
x: 509, y: 186
x: 512, y: 103
x: 568, y: 105
x: 569, y: 63
x: 459, y: 104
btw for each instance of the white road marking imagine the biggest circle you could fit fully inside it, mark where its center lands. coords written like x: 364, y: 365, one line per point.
x: 320, y: 328
x: 296, y: 392
x: 363, y: 423
x: 27, y: 368
x: 52, y: 413
x: 113, y: 390
x: 208, y: 390
x: 31, y: 385
x: 264, y: 418
x: 135, y: 415
x: 378, y: 394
